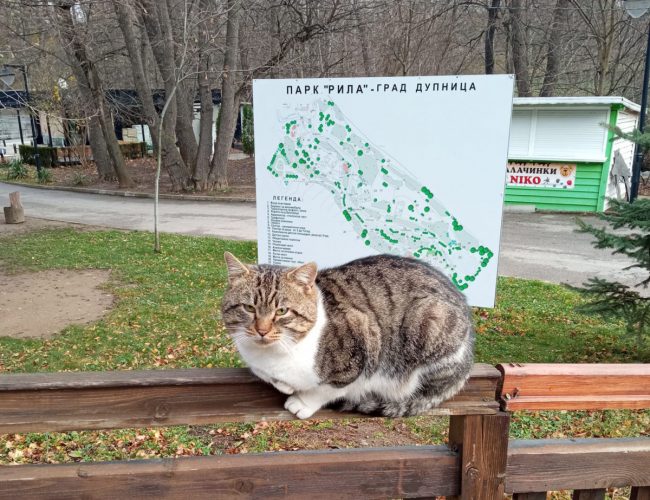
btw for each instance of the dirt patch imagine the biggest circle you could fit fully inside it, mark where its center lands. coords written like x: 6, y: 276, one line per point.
x: 40, y: 304
x: 313, y: 435
x: 241, y: 178
x: 30, y: 225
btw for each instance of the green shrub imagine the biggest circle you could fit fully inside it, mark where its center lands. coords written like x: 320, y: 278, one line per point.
x: 247, y: 134
x: 628, y: 233
x: 47, y: 156
x: 79, y: 179
x: 44, y: 176
x: 133, y: 149
x: 17, y: 170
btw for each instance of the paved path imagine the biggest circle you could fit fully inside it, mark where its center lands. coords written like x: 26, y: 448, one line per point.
x: 537, y: 246
x: 225, y: 219
x: 546, y: 247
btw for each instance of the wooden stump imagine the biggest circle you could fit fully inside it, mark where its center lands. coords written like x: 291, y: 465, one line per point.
x: 14, y: 213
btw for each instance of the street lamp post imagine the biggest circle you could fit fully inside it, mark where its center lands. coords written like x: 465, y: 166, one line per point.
x: 637, y: 8
x: 638, y: 156
x: 8, y: 78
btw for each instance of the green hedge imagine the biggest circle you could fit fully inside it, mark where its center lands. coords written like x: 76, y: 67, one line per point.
x: 47, y: 155
x: 49, y: 158
x: 247, y: 135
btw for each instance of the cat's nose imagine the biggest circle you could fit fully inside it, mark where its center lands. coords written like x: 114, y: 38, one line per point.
x: 263, y: 326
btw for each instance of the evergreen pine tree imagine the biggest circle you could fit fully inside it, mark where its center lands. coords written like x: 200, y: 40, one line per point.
x: 628, y: 233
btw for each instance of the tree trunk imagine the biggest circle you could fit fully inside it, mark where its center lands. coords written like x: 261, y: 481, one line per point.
x: 519, y: 54
x: 229, y: 100
x: 184, y: 117
x: 204, y: 150
x: 363, y: 40
x: 90, y: 86
x: 98, y: 147
x: 128, y: 19
x: 493, y: 14
x: 159, y: 31
x: 554, y: 53
x: 108, y: 131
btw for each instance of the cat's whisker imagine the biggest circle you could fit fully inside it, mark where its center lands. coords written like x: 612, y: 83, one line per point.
x: 287, y: 347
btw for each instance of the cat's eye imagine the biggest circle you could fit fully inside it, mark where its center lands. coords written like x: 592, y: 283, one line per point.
x: 281, y: 311
x: 249, y: 308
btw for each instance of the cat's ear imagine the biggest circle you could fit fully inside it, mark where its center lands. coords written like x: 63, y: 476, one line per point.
x: 305, y: 274
x: 235, y: 268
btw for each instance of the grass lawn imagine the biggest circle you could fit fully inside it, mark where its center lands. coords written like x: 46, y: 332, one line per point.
x: 167, y: 315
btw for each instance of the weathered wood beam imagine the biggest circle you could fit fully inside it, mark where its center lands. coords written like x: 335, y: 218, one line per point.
x: 589, y: 494
x: 407, y: 472
x: 529, y: 496
x: 574, y: 386
x: 100, y: 400
x: 582, y: 464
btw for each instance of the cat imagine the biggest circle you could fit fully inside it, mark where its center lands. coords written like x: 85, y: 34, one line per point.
x: 381, y: 335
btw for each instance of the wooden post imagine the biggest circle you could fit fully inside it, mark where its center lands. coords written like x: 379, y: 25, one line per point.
x: 640, y: 493
x: 482, y: 442
x: 589, y: 494
x: 14, y: 213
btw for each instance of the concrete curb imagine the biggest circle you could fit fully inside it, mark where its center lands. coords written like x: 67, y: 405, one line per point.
x: 133, y: 194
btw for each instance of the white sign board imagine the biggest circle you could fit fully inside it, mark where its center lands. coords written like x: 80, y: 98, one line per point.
x: 541, y: 175
x: 411, y: 166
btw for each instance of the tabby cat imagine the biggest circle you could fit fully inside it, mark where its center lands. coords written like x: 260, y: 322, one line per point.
x: 382, y: 334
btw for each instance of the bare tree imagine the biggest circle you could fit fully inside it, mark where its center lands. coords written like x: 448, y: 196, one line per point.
x: 204, y: 148
x: 230, y: 99
x: 493, y: 16
x: 519, y: 50
x: 554, y: 53
x: 90, y: 85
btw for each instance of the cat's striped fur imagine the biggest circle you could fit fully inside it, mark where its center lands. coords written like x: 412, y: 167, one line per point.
x: 382, y: 334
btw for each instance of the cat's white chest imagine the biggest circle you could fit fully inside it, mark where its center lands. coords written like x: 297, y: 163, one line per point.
x: 289, y: 363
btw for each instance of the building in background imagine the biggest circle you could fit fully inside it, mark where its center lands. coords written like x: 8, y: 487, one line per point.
x: 15, y: 126
x: 563, y: 156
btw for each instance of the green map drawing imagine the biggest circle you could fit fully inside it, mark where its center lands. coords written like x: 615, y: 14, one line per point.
x: 387, y: 207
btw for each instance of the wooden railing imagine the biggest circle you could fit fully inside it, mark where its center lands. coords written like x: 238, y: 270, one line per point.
x: 587, y: 466
x: 479, y: 463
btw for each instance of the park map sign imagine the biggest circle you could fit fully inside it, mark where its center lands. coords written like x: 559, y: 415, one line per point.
x: 411, y: 166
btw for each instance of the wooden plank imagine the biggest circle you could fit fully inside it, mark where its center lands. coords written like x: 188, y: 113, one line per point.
x: 529, y: 496
x: 188, y: 376
x: 125, y: 378
x: 482, y: 441
x: 549, y: 464
x: 574, y: 386
x: 75, y: 401
x: 593, y: 402
x: 407, y: 472
x: 640, y: 493
x: 589, y: 495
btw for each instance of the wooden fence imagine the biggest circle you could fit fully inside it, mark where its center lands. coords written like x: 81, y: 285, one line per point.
x: 480, y: 461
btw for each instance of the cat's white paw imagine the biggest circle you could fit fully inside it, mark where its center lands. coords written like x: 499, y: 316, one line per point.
x: 282, y: 387
x: 298, y: 407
